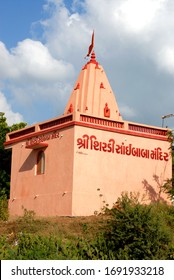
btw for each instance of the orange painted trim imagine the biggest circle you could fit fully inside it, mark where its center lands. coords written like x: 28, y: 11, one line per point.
x: 122, y: 131
x: 90, y: 125
x: 37, y: 146
x: 41, y: 132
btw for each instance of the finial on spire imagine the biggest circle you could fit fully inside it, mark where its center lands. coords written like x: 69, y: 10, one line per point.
x: 91, y: 46
x: 92, y: 57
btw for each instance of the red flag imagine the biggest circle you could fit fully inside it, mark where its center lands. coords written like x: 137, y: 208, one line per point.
x: 91, y: 46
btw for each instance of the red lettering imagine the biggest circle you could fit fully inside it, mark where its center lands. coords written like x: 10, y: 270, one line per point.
x: 83, y: 142
x: 166, y: 156
x: 92, y: 138
x: 104, y: 147
x: 96, y: 145
x: 112, y: 147
x: 159, y: 154
x: 129, y: 150
x: 144, y: 153
x: 118, y: 149
x: 41, y: 138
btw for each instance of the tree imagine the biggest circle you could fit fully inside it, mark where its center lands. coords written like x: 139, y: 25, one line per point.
x: 5, y: 155
x: 168, y: 187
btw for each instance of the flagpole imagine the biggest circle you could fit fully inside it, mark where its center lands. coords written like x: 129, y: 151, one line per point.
x: 91, y: 46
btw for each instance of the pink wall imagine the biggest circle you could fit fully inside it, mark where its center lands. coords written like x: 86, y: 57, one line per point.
x: 49, y: 193
x: 82, y: 177
x: 102, y: 176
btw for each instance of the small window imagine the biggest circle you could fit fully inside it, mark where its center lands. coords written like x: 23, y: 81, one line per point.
x: 40, y: 163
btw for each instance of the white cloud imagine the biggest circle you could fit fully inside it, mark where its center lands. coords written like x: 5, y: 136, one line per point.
x: 117, y: 23
x: 133, y: 42
x: 126, y: 111
x: 136, y: 15
x: 64, y: 32
x: 32, y: 75
x: 7, y: 68
x: 33, y: 60
x: 9, y: 114
x: 166, y: 58
x: 40, y: 64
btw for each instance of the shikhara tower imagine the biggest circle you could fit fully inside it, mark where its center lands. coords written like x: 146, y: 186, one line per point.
x: 83, y: 160
x: 92, y: 94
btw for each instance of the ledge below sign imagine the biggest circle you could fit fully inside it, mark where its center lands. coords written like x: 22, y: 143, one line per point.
x: 37, y: 146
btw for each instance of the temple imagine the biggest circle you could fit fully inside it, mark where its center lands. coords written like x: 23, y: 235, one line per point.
x: 81, y: 161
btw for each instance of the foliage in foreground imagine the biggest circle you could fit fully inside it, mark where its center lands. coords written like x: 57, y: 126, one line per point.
x: 5, y: 155
x: 131, y: 231
x: 3, y: 207
x: 139, y: 231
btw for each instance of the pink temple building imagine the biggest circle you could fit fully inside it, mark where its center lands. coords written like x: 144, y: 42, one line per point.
x: 76, y: 163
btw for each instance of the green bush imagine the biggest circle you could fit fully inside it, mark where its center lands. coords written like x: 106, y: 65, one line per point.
x: 137, y: 231
x: 36, y: 247
x: 132, y: 231
x: 3, y: 207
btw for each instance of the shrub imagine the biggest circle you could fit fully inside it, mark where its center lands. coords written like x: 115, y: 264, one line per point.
x: 3, y: 207
x: 132, y: 231
x: 136, y: 231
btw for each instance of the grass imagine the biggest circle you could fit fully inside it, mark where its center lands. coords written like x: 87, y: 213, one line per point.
x: 64, y: 227
x: 128, y: 231
x: 49, y: 238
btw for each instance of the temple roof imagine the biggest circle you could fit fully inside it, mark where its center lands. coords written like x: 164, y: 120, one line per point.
x: 92, y: 93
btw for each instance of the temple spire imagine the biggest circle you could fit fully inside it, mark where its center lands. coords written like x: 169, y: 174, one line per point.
x: 92, y: 94
x: 91, y: 46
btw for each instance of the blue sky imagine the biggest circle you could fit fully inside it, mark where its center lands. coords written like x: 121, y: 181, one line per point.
x: 16, y: 18
x: 42, y: 48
